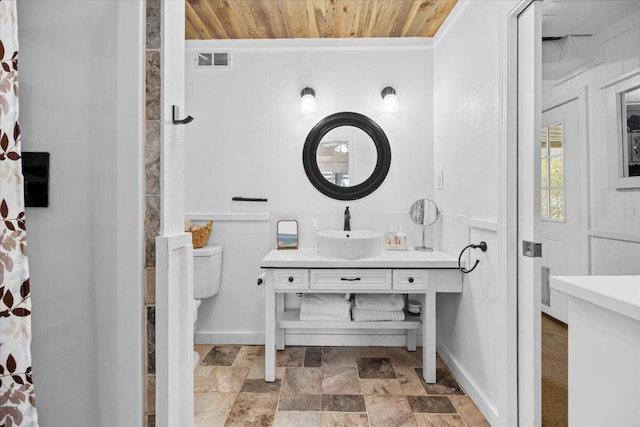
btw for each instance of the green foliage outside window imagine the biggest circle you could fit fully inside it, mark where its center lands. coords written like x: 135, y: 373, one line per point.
x: 552, y: 173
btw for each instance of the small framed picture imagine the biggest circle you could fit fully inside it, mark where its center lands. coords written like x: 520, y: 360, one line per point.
x: 287, y: 234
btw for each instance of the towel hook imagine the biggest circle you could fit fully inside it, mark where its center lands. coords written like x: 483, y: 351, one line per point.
x: 482, y: 246
x: 177, y: 121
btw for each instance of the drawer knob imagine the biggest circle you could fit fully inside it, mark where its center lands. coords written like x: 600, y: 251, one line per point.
x: 290, y: 279
x: 410, y: 279
x: 346, y: 279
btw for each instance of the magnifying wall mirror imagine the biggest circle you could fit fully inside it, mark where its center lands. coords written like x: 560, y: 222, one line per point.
x: 424, y: 212
x: 287, y: 234
x: 346, y: 156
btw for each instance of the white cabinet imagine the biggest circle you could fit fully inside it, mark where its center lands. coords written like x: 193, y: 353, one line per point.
x: 422, y: 282
x: 304, y: 270
x: 604, y: 349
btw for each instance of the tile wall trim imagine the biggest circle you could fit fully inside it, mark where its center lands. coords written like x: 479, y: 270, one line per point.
x: 153, y: 136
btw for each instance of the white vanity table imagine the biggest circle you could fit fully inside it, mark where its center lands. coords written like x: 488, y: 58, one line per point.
x: 403, y: 272
x: 604, y: 349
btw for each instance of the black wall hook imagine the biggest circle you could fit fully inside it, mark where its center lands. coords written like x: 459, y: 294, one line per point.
x: 177, y: 121
x: 482, y: 246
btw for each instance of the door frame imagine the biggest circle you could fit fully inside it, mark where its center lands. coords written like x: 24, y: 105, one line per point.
x: 174, y: 249
x: 517, y: 381
x: 528, y: 411
x: 508, y: 216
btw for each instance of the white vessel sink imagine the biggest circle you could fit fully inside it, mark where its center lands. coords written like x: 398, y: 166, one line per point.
x: 354, y: 244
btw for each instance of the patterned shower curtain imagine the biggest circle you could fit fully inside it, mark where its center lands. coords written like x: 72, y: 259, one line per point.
x: 17, y: 402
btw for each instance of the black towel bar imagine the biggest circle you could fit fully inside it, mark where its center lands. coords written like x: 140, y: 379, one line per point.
x: 247, y: 199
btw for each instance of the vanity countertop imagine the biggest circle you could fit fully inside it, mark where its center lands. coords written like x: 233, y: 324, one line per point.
x: 308, y: 258
x: 620, y: 294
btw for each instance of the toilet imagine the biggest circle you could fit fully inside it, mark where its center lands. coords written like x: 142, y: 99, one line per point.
x: 207, y: 271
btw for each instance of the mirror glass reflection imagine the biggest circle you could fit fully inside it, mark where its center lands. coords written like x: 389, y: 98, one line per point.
x: 424, y: 212
x: 346, y: 156
x: 631, y: 133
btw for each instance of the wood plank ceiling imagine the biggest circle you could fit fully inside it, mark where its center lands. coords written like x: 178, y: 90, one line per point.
x: 276, y: 19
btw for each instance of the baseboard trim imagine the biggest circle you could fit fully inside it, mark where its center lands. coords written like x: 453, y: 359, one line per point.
x: 475, y: 393
x: 310, y: 338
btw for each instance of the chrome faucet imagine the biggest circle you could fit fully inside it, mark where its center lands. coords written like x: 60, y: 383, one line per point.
x: 347, y: 219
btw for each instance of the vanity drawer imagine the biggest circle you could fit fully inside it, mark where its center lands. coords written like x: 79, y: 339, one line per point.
x: 291, y: 279
x: 408, y: 280
x: 351, y: 280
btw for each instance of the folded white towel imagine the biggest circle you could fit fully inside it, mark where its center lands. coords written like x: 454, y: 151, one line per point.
x: 360, y: 315
x: 332, y: 305
x: 380, y: 302
x: 323, y: 317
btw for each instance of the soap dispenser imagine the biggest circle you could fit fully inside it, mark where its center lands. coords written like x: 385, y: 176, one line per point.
x: 391, y: 236
x: 401, y: 237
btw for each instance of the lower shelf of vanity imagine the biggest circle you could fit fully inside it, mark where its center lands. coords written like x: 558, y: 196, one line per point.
x: 291, y: 319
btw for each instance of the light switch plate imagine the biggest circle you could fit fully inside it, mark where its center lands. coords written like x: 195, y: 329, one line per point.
x: 440, y: 180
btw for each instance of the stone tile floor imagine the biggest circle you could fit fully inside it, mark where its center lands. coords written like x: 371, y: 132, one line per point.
x: 326, y: 386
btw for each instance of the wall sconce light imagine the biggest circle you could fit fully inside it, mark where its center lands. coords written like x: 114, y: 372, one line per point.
x: 390, y: 98
x: 308, y: 103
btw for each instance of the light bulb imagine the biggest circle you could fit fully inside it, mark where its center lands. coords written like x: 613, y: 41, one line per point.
x: 391, y: 103
x: 308, y: 102
x: 390, y: 99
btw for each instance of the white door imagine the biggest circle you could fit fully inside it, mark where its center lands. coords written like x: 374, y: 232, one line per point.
x: 558, y: 215
x: 529, y: 64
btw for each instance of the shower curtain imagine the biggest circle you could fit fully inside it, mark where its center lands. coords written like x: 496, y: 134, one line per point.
x: 17, y: 402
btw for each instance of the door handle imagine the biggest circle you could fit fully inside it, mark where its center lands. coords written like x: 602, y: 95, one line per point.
x: 545, y: 292
x: 531, y: 249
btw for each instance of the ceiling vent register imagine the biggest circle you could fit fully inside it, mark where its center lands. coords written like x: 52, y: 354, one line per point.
x: 213, y: 59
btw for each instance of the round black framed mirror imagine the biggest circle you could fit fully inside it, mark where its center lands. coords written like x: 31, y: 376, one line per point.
x: 331, y: 152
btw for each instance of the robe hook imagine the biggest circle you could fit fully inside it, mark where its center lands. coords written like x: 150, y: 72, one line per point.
x: 177, y: 121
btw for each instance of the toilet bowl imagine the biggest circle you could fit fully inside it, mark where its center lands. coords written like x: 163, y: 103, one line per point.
x: 207, y: 271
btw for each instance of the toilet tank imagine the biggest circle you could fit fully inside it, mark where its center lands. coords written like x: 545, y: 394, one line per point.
x: 207, y: 271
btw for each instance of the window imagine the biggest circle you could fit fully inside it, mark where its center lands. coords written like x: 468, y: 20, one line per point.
x: 623, y: 130
x: 631, y: 137
x: 552, y: 173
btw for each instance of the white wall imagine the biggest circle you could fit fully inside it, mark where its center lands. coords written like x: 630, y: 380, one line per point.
x: 247, y: 139
x: 80, y: 103
x: 613, y: 223
x: 467, y: 120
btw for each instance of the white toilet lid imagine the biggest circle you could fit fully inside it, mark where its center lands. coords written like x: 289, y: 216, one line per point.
x: 207, y: 251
